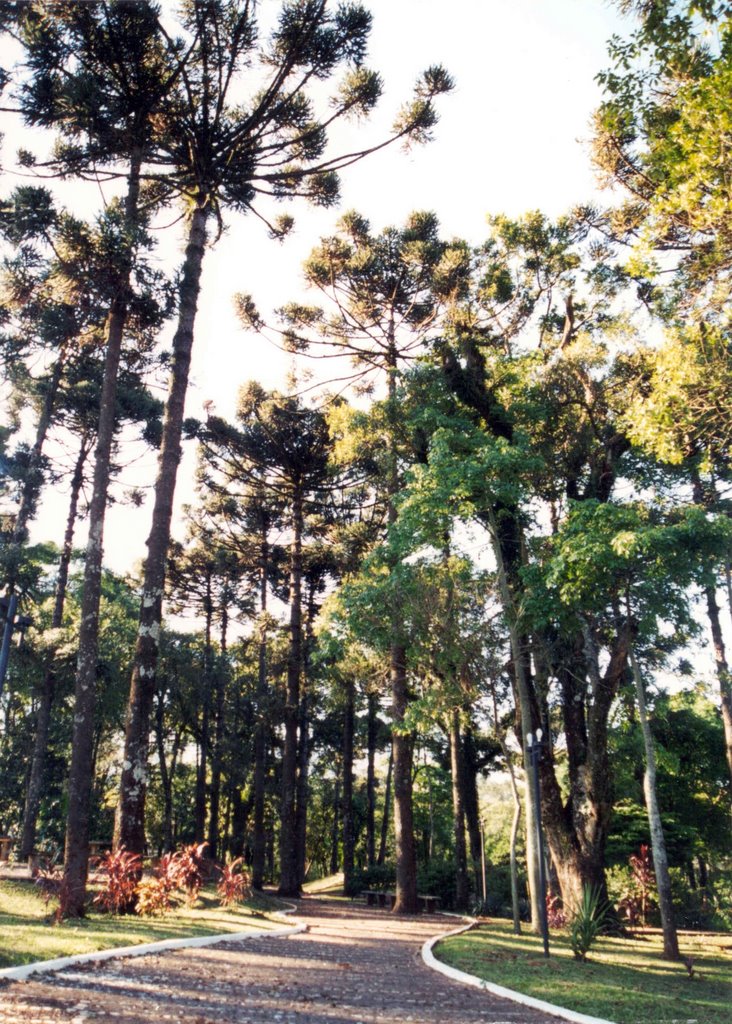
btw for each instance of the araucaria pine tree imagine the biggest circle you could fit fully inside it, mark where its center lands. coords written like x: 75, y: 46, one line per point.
x: 217, y: 151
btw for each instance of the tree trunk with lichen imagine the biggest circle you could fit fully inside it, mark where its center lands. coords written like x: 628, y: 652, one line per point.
x: 130, y: 821
x: 458, y: 811
x: 349, y: 836
x: 371, y: 780
x: 405, y: 901
x: 658, y: 840
x: 259, y: 839
x: 217, y: 750
x: 43, y: 718
x: 289, y: 884
x: 76, y: 845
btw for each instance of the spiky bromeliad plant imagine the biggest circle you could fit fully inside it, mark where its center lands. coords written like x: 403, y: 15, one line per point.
x: 588, y: 920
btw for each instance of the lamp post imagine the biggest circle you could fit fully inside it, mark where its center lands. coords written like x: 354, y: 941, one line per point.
x: 10, y: 606
x: 533, y: 746
x: 482, y: 863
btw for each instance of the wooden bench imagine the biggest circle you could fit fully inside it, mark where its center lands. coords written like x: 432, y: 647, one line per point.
x: 376, y: 898
x: 383, y: 899
x: 428, y: 903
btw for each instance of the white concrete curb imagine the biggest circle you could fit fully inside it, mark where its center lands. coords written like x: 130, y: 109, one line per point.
x: 498, y: 990
x: 43, y: 966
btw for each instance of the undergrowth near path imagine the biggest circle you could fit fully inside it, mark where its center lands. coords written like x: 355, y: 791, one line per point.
x: 624, y: 980
x: 27, y: 934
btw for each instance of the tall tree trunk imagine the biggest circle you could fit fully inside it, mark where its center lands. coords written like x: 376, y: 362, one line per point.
x: 387, y: 810
x: 513, y: 858
x: 349, y: 839
x: 402, y: 744
x: 470, y: 796
x: 289, y: 881
x: 218, y: 743
x: 335, y: 830
x: 371, y: 729
x: 259, y: 840
x: 528, y: 712
x: 202, y: 766
x: 130, y: 830
x: 303, y: 747
x: 724, y: 679
x: 76, y: 847
x: 32, y: 483
x: 458, y: 812
x: 658, y: 841
x: 43, y: 718
x: 166, y: 773
x: 576, y: 832
x: 302, y: 785
x: 723, y: 674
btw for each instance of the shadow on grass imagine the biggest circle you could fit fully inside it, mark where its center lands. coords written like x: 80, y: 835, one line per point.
x: 624, y: 980
x: 29, y: 934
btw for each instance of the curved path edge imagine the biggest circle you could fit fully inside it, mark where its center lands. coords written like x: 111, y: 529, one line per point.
x: 498, y: 990
x: 46, y: 966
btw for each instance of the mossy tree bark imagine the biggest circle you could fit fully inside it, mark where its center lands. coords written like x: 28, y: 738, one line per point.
x: 289, y: 884
x: 48, y: 690
x: 658, y: 840
x: 76, y: 846
x: 130, y: 825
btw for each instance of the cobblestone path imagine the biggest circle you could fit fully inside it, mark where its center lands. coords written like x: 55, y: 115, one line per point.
x: 352, y: 966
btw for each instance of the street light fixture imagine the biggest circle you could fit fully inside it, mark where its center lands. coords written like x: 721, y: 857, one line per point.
x: 533, y: 747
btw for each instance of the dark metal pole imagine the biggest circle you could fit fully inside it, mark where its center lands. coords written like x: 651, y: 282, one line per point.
x: 535, y: 754
x: 11, y: 608
x: 482, y: 863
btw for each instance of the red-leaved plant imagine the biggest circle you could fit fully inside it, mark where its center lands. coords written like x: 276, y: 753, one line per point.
x: 233, y: 885
x: 555, y: 915
x: 160, y: 893
x: 50, y: 880
x: 118, y: 872
x: 190, y: 869
x: 637, y: 899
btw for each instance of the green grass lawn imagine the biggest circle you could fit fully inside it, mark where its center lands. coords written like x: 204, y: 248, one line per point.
x: 26, y: 934
x: 624, y: 980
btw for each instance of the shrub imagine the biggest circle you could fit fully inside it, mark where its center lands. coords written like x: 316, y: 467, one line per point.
x: 118, y: 872
x: 587, y: 922
x: 380, y: 877
x: 498, y: 901
x: 50, y: 881
x: 159, y: 894
x: 644, y: 880
x: 438, y: 879
x: 631, y: 889
x: 555, y: 915
x: 189, y: 869
x: 233, y: 885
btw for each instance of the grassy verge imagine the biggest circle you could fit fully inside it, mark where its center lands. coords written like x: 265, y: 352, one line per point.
x: 26, y: 934
x: 624, y: 980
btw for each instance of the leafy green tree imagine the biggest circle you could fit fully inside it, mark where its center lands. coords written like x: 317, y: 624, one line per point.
x: 678, y: 413
x: 661, y: 135
x: 526, y: 422
x: 647, y: 564
x: 386, y: 293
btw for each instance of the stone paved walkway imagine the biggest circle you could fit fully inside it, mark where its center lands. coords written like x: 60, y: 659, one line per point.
x: 352, y: 966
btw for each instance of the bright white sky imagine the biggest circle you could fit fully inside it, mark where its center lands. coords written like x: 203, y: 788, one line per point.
x: 512, y: 137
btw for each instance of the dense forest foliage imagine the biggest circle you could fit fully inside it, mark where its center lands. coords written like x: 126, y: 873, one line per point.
x: 512, y: 521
